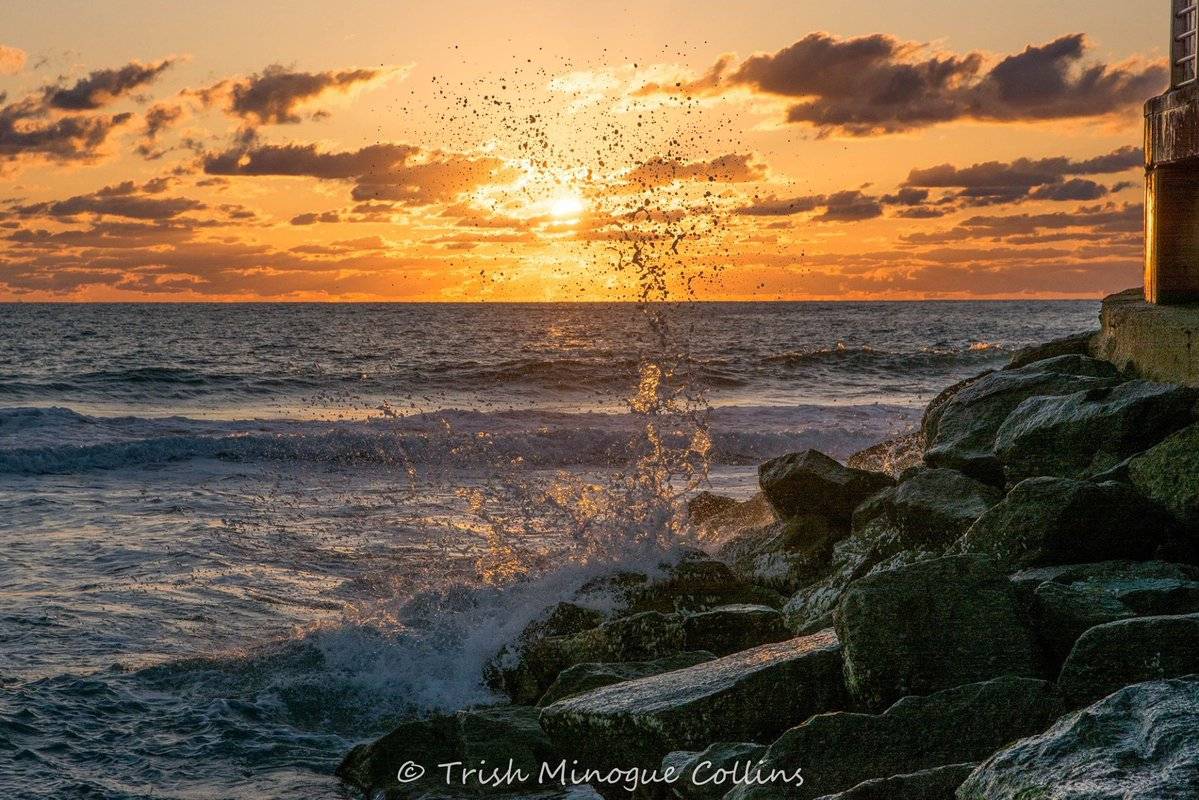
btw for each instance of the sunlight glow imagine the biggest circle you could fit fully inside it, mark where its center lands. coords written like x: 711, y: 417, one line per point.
x: 567, y: 206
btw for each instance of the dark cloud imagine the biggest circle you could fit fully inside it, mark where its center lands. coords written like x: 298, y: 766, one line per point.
x: 1107, y: 219
x: 850, y: 206
x: 1025, y: 172
x: 104, y: 86
x: 273, y: 96
x: 1078, y: 189
x: 730, y: 168
x: 394, y: 173
x: 120, y: 200
x: 847, y: 206
x: 880, y: 84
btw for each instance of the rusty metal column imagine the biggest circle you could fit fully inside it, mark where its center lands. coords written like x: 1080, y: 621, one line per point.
x: 1172, y: 170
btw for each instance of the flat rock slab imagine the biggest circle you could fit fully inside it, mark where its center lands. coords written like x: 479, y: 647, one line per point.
x: 752, y: 695
x: 730, y: 629
x: 839, y: 751
x: 1140, y: 742
x: 1121, y: 653
x: 930, y: 626
x: 583, y: 678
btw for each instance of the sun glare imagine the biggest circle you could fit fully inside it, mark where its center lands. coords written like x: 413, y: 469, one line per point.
x: 567, y: 207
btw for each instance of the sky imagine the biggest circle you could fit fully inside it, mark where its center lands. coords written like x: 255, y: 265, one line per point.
x: 562, y: 151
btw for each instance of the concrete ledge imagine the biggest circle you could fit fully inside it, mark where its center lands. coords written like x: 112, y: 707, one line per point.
x: 1159, y: 343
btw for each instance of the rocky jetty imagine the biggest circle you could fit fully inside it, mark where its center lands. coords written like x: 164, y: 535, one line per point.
x: 1001, y: 605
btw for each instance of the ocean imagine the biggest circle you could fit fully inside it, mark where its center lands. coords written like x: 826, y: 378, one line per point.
x: 236, y: 540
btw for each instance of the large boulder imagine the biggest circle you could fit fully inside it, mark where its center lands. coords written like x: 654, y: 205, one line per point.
x: 962, y: 433
x: 1088, y: 432
x: 812, y: 483
x: 729, y: 629
x: 529, y: 670
x: 939, y: 783
x: 755, y: 694
x: 501, y: 734
x: 1140, y: 742
x: 706, y: 506
x: 583, y: 678
x: 892, y: 456
x: 965, y: 724
x: 934, y: 507
x: 1117, y: 654
x: 1077, y: 345
x: 930, y: 626
x: 373, y: 767
x: 785, y: 554
x: 696, y: 583
x: 697, y: 772
x: 518, y: 669
x: 1066, y: 602
x: 494, y: 735
x: 1169, y: 474
x: 1049, y: 521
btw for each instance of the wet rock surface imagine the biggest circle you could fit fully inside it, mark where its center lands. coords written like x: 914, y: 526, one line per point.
x: 965, y: 724
x: 940, y: 783
x: 964, y: 432
x: 1140, y: 742
x: 698, y: 769
x: 812, y: 483
x: 583, y: 678
x: 1049, y: 521
x: 930, y: 626
x: 934, y: 507
x: 1129, y: 651
x: 1169, y: 474
x: 1085, y: 433
x: 751, y: 695
x: 729, y: 629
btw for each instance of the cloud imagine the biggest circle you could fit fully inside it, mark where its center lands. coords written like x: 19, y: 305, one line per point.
x: 1108, y: 219
x: 851, y: 205
x: 275, y: 95
x: 730, y: 168
x: 880, y: 84
x: 1024, y: 172
x: 12, y: 60
x: 104, y: 86
x: 121, y: 200
x: 396, y: 173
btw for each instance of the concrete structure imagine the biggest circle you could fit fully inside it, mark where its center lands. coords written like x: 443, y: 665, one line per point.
x: 1172, y: 169
x: 1160, y: 343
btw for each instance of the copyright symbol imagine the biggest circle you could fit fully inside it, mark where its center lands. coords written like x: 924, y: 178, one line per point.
x: 410, y: 772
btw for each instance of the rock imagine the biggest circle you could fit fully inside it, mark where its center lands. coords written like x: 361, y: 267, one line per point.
x: 930, y: 626
x: 697, y: 770
x: 1049, y: 521
x: 757, y: 693
x: 965, y: 724
x: 515, y: 670
x: 641, y: 637
x: 583, y: 678
x: 932, y: 413
x: 784, y: 555
x: 751, y: 515
x: 373, y: 767
x: 812, y: 483
x: 697, y: 584
x: 935, y: 506
x: 1077, y: 345
x: 495, y: 735
x: 891, y: 457
x: 1169, y: 474
x: 729, y: 629
x: 1088, y: 432
x: 939, y: 783
x: 705, y: 505
x: 1138, y: 743
x: 1118, y: 654
x: 962, y: 434
x: 1065, y: 602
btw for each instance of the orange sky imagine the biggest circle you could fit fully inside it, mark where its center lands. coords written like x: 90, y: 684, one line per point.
x: 542, y: 151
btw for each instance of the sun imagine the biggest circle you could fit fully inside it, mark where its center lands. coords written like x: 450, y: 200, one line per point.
x: 567, y: 206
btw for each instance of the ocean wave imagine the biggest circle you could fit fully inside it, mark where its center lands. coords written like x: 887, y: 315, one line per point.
x: 62, y: 441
